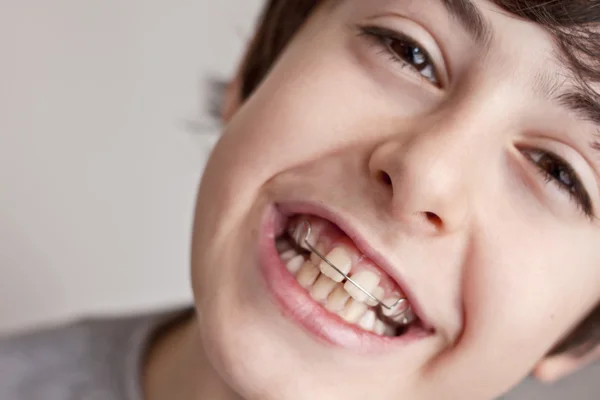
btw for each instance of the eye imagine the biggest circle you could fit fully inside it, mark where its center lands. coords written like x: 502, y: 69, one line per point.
x: 404, y: 50
x: 558, y: 171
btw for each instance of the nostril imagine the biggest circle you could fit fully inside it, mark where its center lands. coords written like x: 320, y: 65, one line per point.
x: 385, y: 178
x: 434, y: 219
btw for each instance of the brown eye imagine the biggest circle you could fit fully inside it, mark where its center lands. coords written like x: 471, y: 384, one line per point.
x: 555, y: 169
x: 404, y: 50
x: 413, y: 55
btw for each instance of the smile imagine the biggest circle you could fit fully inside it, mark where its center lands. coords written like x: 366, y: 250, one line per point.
x: 324, y: 282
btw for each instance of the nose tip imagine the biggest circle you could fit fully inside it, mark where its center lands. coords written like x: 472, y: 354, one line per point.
x: 422, y: 188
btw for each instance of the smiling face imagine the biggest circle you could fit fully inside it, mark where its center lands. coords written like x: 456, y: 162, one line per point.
x: 439, y: 158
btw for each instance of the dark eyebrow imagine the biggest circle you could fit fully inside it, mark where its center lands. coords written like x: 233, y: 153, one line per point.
x: 584, y: 103
x: 580, y: 98
x: 472, y: 20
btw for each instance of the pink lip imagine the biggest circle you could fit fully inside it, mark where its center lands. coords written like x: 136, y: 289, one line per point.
x: 363, y: 246
x: 297, y: 304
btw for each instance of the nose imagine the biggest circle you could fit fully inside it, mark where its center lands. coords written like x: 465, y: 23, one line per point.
x: 423, y: 180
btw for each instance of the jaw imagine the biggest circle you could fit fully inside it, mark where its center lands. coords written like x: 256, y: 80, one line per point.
x: 250, y: 334
x: 245, y: 330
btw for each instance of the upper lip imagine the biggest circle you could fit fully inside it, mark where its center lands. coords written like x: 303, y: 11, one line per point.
x: 363, y: 246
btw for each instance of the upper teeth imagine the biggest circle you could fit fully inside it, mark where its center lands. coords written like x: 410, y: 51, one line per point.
x: 322, y: 288
x: 337, y: 265
x: 341, y: 259
x: 307, y: 275
x: 367, y: 280
x: 324, y: 281
x: 378, y: 293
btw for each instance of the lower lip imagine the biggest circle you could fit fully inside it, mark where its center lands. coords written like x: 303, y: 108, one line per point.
x: 298, y: 306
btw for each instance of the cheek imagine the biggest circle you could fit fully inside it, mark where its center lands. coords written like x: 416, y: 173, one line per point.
x: 528, y: 274
x: 513, y: 309
x: 313, y: 103
x: 525, y: 287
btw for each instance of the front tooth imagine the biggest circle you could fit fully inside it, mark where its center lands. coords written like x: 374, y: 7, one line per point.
x: 307, y: 275
x: 322, y: 288
x: 288, y: 255
x: 378, y: 292
x: 295, y: 264
x: 341, y: 259
x: 314, y: 257
x: 367, y: 280
x: 354, y: 311
x: 337, y: 299
x: 367, y: 322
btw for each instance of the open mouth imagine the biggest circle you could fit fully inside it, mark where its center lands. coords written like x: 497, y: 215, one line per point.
x: 345, y: 284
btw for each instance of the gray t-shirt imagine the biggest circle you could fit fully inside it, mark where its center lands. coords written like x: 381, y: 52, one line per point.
x: 101, y: 359
x: 91, y: 359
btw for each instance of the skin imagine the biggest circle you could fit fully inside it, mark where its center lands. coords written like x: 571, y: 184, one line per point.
x: 503, y: 261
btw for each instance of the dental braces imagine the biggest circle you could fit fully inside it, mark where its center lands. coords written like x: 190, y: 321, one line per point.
x: 404, y: 312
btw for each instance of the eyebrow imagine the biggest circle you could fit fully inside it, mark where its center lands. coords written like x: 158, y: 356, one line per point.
x: 472, y: 20
x: 584, y: 103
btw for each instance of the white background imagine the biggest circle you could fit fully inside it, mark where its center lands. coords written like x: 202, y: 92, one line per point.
x: 103, y: 136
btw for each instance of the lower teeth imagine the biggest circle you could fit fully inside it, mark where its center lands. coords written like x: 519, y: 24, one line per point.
x: 331, y: 294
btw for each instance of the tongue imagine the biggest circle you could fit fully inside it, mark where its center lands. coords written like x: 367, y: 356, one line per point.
x: 341, y: 255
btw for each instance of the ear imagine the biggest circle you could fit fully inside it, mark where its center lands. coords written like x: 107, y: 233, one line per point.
x: 556, y: 367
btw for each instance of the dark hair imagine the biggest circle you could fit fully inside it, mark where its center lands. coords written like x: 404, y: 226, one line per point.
x: 575, y: 24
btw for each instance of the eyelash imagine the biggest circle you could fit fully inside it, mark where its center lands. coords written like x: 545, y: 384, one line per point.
x: 554, y: 169
x: 386, y: 38
x: 559, y: 168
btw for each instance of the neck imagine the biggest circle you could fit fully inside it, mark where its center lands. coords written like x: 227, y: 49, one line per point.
x: 177, y: 367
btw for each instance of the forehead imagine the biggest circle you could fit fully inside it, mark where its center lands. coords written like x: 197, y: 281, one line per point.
x: 552, y: 61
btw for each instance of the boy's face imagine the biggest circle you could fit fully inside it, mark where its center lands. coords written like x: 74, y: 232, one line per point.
x: 445, y: 157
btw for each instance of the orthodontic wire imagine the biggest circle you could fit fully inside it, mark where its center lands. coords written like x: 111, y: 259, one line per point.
x: 346, y: 277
